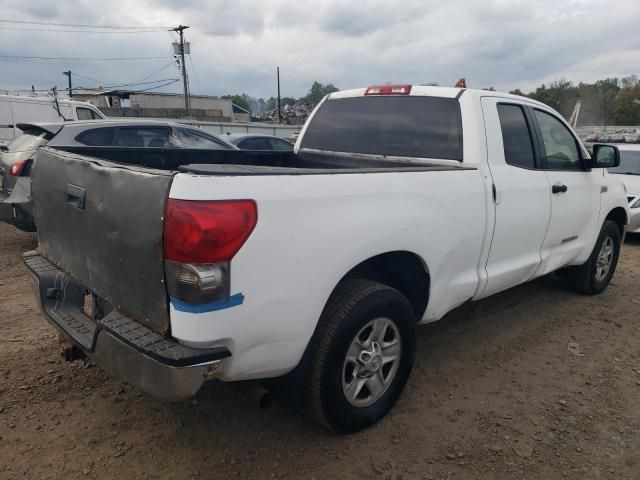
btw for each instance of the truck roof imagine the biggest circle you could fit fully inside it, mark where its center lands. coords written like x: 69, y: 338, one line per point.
x: 42, y: 99
x: 435, y: 91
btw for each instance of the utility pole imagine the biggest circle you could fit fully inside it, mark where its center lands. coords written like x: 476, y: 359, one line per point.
x: 279, y: 110
x: 68, y: 74
x: 180, y: 30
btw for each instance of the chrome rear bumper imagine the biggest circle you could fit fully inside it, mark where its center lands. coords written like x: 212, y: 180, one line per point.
x: 154, y: 363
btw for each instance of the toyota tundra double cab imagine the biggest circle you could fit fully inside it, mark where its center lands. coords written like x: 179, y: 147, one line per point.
x: 170, y: 268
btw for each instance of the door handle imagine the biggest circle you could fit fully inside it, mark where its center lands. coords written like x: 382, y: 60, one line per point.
x: 558, y: 188
x: 75, y: 196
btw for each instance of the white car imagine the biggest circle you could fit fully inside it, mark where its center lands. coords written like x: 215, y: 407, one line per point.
x: 172, y: 267
x: 15, y: 109
x: 629, y: 172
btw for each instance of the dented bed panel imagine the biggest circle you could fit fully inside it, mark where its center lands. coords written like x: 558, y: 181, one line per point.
x: 102, y: 223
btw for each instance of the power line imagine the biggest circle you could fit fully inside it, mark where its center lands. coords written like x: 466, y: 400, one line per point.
x: 137, y: 82
x: 157, y: 86
x: 141, y: 83
x: 172, y: 62
x: 79, y: 31
x: 80, y: 25
x: 89, y: 78
x: 23, y: 57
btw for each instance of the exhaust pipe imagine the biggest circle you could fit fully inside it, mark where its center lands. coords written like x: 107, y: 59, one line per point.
x: 71, y: 353
x: 261, y: 396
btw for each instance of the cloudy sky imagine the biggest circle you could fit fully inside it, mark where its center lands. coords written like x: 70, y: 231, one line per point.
x: 236, y: 44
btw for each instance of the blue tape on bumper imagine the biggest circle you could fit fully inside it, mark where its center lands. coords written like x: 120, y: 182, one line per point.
x: 232, y: 301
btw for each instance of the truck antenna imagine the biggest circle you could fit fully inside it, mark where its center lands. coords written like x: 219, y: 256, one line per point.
x: 57, y: 104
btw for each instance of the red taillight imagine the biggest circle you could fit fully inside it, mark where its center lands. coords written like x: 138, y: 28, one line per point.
x: 388, y: 90
x: 16, y: 168
x: 207, y: 231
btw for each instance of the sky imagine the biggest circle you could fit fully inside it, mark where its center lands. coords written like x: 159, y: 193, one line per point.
x: 237, y: 44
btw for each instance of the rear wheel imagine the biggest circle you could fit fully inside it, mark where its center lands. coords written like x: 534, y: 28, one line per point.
x: 594, y: 275
x: 361, y: 355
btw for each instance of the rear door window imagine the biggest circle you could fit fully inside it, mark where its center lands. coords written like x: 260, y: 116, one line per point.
x: 255, y: 143
x: 97, y: 137
x: 403, y: 126
x: 184, y: 138
x: 84, y: 113
x: 142, y: 137
x: 516, y: 137
x: 280, y: 145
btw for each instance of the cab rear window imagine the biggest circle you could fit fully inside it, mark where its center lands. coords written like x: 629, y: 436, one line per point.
x: 403, y: 126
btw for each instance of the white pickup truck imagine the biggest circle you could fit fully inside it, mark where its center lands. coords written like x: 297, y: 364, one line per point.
x: 172, y: 267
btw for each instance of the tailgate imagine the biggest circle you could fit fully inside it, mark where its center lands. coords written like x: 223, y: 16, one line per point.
x: 102, y: 223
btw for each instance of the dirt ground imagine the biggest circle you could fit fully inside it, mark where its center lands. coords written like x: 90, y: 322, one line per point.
x: 535, y: 383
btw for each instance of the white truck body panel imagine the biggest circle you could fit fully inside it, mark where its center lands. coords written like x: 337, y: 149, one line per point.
x: 318, y: 225
x: 312, y: 230
x: 476, y: 223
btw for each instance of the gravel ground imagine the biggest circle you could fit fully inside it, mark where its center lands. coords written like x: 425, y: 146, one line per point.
x: 537, y: 382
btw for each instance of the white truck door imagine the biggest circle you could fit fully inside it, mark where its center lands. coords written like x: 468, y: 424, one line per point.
x: 521, y: 199
x: 574, y: 192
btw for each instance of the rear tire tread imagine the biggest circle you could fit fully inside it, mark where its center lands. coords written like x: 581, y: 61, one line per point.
x: 346, y: 296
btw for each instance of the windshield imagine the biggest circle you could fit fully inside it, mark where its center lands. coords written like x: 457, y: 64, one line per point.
x: 629, y: 163
x: 399, y: 126
x: 29, y: 140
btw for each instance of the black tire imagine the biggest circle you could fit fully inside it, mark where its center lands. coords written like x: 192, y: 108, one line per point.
x: 585, y: 278
x: 352, y: 307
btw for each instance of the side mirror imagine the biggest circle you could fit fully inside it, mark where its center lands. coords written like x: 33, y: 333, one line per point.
x: 605, y: 156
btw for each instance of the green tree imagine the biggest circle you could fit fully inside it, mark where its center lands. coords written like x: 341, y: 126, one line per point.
x: 610, y: 101
x: 318, y: 91
x: 287, y: 101
x: 560, y: 95
x: 626, y: 107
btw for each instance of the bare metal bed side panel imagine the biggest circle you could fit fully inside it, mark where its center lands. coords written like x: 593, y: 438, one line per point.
x: 103, y: 224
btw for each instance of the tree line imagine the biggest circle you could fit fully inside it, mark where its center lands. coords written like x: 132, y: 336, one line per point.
x: 612, y: 101
x: 259, y: 106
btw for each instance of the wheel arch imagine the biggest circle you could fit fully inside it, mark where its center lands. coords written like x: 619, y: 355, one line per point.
x: 619, y: 216
x: 405, y: 271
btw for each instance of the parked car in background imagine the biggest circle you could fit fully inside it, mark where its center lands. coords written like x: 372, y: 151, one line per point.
x: 16, y: 160
x: 629, y: 172
x: 318, y: 263
x: 17, y: 109
x: 250, y: 141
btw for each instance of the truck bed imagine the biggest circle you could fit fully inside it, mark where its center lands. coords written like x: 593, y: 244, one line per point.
x: 100, y: 210
x: 242, y: 162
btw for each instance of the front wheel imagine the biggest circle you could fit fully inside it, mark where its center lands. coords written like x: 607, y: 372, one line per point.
x: 594, y: 275
x: 361, y: 355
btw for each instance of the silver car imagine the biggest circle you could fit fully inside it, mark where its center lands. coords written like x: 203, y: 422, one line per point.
x: 16, y: 159
x: 252, y: 141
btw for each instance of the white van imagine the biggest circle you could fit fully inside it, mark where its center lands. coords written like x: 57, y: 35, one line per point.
x: 39, y: 109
